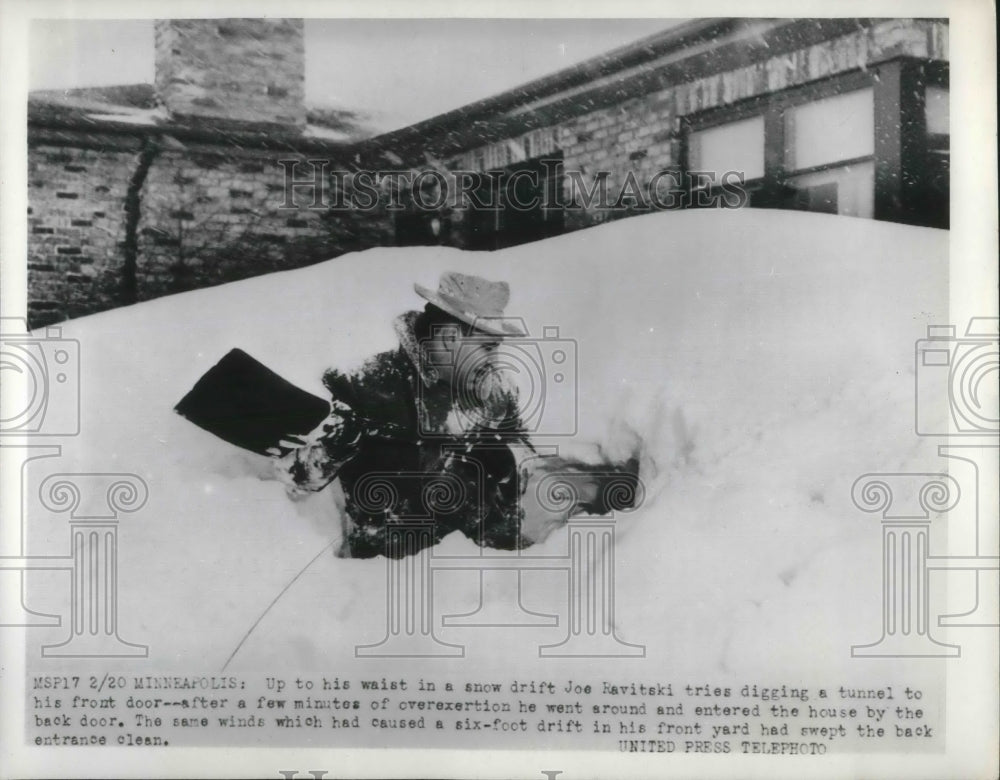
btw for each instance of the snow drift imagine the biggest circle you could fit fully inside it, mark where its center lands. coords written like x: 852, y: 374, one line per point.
x: 762, y: 360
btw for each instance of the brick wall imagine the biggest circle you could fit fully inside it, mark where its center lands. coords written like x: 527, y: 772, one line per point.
x: 207, y: 214
x: 242, y: 70
x: 75, y: 226
x: 210, y: 216
x: 119, y: 215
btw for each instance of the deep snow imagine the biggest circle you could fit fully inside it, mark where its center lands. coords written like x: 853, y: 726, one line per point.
x: 764, y: 359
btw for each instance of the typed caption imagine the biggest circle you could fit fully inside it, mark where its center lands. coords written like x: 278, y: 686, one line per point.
x: 631, y: 716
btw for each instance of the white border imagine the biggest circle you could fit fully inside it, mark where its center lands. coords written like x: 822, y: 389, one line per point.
x: 972, y: 689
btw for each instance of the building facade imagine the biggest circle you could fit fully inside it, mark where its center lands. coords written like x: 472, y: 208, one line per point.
x: 844, y: 116
x: 148, y: 190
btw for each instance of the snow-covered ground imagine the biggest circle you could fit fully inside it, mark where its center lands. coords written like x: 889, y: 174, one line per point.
x: 763, y: 359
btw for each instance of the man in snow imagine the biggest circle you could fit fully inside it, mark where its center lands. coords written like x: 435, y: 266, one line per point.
x: 425, y: 428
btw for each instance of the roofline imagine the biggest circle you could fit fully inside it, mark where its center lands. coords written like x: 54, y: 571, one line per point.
x: 457, y: 121
x: 455, y: 129
x: 601, y: 66
x: 43, y: 130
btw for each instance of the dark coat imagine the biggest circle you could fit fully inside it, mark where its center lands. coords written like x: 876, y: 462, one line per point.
x: 395, y: 441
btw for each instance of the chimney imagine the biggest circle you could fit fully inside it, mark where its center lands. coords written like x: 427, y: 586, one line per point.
x: 232, y: 72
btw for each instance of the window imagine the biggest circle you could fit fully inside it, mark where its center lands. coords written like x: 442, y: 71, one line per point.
x: 937, y: 111
x: 736, y: 146
x: 935, y: 198
x: 515, y: 205
x: 420, y: 228
x: 829, y: 154
x: 848, y: 190
x: 811, y: 149
x: 417, y: 226
x: 830, y: 130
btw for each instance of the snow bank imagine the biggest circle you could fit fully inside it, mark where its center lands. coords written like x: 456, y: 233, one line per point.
x: 763, y: 359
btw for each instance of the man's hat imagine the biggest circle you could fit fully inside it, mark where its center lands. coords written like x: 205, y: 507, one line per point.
x: 475, y: 301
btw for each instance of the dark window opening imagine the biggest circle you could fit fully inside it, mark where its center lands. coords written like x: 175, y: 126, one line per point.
x: 422, y: 228
x: 515, y: 205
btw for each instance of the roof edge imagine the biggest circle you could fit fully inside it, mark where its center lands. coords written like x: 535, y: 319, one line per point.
x: 601, y: 66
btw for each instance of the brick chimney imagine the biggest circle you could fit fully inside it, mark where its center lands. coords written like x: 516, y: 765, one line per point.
x: 232, y: 72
